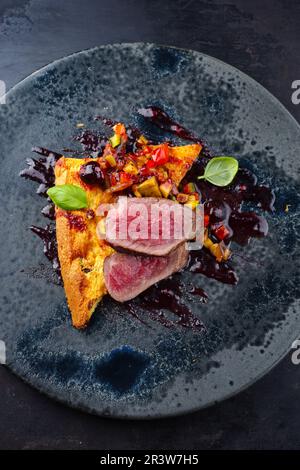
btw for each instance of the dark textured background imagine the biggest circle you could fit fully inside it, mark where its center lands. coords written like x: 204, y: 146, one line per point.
x: 261, y: 38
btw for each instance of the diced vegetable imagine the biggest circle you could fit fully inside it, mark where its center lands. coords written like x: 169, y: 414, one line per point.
x: 142, y: 140
x: 219, y: 250
x: 165, y: 188
x: 115, y: 140
x: 206, y: 220
x: 226, y: 254
x: 192, y: 204
x: 144, y: 171
x: 149, y: 188
x: 146, y: 150
x: 119, y: 187
x: 189, y: 188
x: 182, y: 198
x: 175, y: 190
x: 136, y: 191
x: 161, y: 174
x: 150, y: 164
x: 119, y: 129
x: 192, y: 201
x: 113, y: 179
x: 221, y: 232
x: 216, y: 251
x: 141, y: 160
x: 125, y: 178
x: 194, y: 197
x: 111, y: 160
x: 207, y: 242
x: 125, y: 181
x: 131, y: 168
x: 159, y: 156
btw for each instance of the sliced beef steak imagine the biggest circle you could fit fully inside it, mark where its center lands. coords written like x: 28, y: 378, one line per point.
x: 126, y: 275
x: 152, y: 226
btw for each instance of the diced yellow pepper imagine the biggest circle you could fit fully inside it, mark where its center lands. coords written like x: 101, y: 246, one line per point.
x: 192, y: 204
x: 142, y: 140
x: 226, y: 253
x: 149, y: 188
x: 218, y: 250
x: 207, y: 243
x: 111, y: 160
x: 165, y: 189
x: 135, y: 191
x: 115, y: 140
x: 194, y: 197
x: 130, y: 168
x: 161, y: 174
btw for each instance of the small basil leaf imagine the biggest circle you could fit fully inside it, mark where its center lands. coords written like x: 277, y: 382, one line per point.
x: 220, y: 171
x: 68, y: 197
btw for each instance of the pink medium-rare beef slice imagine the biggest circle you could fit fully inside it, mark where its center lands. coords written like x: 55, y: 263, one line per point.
x: 152, y: 226
x: 127, y: 275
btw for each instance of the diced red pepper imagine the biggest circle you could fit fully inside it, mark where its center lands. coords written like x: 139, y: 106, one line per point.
x: 119, y: 182
x: 150, y: 164
x: 206, y: 220
x: 144, y: 171
x: 159, y: 156
x: 125, y: 178
x: 221, y: 232
x: 146, y: 150
x: 194, y: 196
x: 111, y: 160
x: 113, y: 179
x: 189, y: 188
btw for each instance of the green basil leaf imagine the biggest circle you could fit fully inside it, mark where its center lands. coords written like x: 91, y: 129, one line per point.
x: 68, y: 197
x: 220, y: 171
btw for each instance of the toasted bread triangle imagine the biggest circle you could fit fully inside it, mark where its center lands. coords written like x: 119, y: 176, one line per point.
x: 81, y: 253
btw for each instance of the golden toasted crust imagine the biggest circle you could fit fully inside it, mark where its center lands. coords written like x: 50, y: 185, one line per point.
x: 81, y: 253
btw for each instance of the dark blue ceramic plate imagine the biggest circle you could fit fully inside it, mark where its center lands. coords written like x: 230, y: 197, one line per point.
x: 118, y: 366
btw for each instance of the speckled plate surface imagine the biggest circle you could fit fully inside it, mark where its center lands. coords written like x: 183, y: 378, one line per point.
x: 119, y: 367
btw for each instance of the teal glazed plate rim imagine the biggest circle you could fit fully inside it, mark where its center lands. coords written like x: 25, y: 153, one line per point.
x: 118, y: 366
